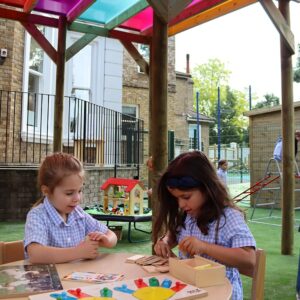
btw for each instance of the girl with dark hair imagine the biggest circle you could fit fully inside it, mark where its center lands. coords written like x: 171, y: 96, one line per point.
x: 197, y: 215
x: 57, y: 230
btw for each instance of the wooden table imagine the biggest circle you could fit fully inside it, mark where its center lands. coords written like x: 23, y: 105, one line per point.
x: 115, y: 263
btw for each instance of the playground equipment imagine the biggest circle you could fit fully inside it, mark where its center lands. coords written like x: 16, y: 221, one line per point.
x: 270, y: 183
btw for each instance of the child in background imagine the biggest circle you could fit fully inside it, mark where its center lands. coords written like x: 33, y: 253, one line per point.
x: 57, y: 230
x: 198, y: 216
x: 222, y: 170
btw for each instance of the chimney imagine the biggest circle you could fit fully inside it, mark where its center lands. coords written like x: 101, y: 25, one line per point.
x: 187, y: 64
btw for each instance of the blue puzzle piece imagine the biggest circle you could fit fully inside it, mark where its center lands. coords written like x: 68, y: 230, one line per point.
x: 166, y: 283
x: 124, y: 289
x: 62, y: 296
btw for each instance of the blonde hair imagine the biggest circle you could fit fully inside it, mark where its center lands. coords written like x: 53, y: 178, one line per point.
x: 54, y: 168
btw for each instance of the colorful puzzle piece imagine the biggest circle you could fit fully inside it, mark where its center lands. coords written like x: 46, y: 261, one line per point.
x: 124, y: 289
x: 78, y: 293
x: 166, y: 283
x: 178, y: 286
x: 153, y: 281
x: 62, y: 296
x: 140, y: 283
x: 106, y: 292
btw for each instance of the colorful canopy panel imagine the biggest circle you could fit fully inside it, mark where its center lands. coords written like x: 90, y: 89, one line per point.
x: 133, y: 15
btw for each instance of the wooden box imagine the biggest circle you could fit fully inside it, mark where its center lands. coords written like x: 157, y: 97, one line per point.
x: 117, y: 230
x: 198, y: 271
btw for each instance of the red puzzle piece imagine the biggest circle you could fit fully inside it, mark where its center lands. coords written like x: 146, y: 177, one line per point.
x: 178, y: 286
x: 140, y: 283
x: 78, y: 293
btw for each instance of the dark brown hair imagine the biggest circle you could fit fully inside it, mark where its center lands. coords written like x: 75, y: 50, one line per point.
x: 194, y: 165
x: 221, y: 162
x: 54, y: 168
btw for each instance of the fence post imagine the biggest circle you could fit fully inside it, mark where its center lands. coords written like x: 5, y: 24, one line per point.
x: 241, y: 167
x: 138, y: 149
x: 84, y: 131
x: 116, y: 132
x: 171, y: 144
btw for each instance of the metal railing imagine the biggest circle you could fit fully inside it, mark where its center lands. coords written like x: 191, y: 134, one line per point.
x: 95, y: 134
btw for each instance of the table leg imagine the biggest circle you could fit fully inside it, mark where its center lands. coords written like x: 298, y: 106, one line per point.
x: 130, y: 240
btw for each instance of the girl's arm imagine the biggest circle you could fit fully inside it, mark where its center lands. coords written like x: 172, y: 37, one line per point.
x: 243, y: 257
x: 107, y: 240
x: 45, y: 254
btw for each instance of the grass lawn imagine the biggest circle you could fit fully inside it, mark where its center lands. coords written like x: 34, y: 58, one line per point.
x: 281, y: 270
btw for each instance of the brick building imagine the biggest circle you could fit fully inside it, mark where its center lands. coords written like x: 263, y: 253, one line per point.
x: 120, y: 87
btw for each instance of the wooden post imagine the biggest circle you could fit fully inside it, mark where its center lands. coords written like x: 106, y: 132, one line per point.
x: 288, y: 135
x: 159, y: 97
x: 59, y: 92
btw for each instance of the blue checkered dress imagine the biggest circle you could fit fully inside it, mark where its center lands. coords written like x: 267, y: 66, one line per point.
x: 45, y: 226
x: 233, y: 233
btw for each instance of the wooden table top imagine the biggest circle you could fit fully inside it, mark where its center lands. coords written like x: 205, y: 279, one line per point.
x: 115, y: 263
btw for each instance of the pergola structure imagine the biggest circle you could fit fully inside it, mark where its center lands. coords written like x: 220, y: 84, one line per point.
x: 152, y: 22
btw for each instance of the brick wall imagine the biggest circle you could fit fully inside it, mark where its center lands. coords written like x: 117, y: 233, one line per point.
x: 180, y: 98
x: 12, y: 38
x: 18, y: 189
x: 264, y: 129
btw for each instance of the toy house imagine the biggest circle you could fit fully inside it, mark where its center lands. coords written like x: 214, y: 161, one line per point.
x: 123, y: 196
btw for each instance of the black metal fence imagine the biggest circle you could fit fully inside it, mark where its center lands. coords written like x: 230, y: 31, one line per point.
x: 95, y: 134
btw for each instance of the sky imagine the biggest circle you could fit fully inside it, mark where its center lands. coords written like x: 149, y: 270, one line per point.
x: 249, y: 45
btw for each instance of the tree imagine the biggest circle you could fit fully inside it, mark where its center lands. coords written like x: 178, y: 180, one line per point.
x: 297, y: 69
x: 234, y: 126
x: 269, y: 101
x: 207, y: 77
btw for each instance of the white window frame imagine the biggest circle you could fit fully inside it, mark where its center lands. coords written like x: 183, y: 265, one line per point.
x: 46, y: 86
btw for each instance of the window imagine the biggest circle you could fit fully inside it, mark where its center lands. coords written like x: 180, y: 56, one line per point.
x: 131, y: 110
x: 39, y: 86
x: 35, y: 77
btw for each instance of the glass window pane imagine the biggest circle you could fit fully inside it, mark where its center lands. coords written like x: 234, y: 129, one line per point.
x: 36, y: 56
x: 130, y: 111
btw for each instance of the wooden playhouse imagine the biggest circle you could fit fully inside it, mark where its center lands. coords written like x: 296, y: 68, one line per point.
x: 123, y: 196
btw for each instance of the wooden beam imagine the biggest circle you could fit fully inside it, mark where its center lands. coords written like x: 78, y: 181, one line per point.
x: 29, y: 5
x: 195, y: 10
x: 84, y: 28
x: 41, y: 40
x: 136, y: 56
x: 130, y: 37
x: 175, y: 7
x: 28, y: 18
x: 18, y: 3
x: 288, y: 136
x: 208, y: 15
x: 168, y: 9
x: 116, y: 34
x: 159, y: 109
x: 79, y: 44
x: 127, y: 14
x: 280, y: 23
x: 59, y: 89
x: 78, y: 9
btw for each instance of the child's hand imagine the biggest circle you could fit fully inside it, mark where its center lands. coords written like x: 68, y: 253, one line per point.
x: 88, y: 249
x: 192, y: 246
x: 101, y: 238
x: 162, y: 248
